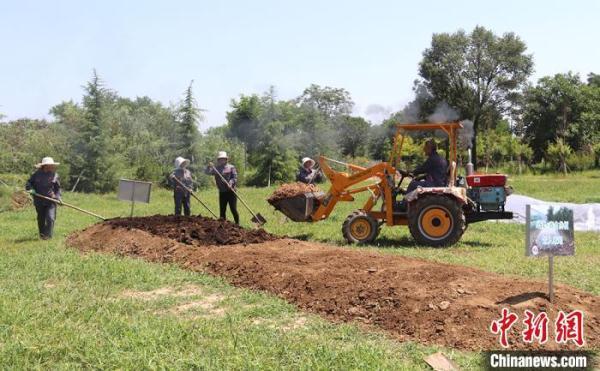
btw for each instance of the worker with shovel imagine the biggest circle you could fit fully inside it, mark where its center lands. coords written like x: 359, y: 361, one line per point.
x: 45, y: 182
x: 181, y: 193
x: 226, y: 179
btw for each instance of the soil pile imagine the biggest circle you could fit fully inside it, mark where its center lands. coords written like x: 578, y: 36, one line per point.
x: 411, y: 299
x: 19, y: 200
x: 194, y: 230
x: 290, y: 190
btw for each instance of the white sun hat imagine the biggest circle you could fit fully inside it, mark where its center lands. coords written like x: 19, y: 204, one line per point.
x: 222, y: 154
x: 307, y: 159
x: 47, y: 161
x: 180, y: 161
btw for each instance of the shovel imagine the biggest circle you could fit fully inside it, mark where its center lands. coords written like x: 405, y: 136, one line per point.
x: 196, y: 197
x: 68, y: 205
x: 256, y: 217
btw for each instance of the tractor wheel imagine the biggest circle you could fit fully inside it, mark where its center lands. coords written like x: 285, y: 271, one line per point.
x: 436, y: 221
x: 359, y: 227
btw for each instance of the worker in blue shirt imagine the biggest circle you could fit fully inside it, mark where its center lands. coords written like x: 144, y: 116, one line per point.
x: 45, y: 182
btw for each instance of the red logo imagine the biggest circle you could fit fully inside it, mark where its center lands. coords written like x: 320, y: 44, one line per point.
x: 503, y: 325
x: 536, y: 327
x: 570, y: 327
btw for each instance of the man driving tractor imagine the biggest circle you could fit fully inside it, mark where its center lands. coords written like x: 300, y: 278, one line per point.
x: 435, y: 169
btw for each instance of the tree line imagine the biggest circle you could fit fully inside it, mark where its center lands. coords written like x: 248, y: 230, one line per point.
x: 552, y: 125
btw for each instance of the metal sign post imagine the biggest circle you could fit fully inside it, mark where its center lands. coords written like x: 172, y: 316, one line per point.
x: 550, y: 232
x: 134, y: 190
x: 551, y: 278
x: 132, y: 200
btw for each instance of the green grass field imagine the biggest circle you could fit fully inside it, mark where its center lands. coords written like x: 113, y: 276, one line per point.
x: 60, y: 309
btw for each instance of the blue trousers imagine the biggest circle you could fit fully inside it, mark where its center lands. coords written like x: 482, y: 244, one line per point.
x: 46, y: 215
x: 182, y: 198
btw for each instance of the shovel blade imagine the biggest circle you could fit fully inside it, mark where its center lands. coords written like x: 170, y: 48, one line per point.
x: 259, y: 219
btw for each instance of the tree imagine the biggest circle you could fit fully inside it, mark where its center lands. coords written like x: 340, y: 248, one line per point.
x: 475, y: 73
x: 189, y: 116
x: 381, y: 137
x: 552, y: 109
x: 243, y: 121
x: 90, y: 161
x: 593, y: 79
x: 352, y: 139
x: 331, y: 102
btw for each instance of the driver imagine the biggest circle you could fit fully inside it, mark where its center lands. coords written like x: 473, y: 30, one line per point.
x: 434, y: 168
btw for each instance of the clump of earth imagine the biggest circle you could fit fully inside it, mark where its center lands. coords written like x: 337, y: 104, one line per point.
x: 290, y: 190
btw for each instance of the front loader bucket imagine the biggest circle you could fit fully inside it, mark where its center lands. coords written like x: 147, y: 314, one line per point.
x: 299, y: 208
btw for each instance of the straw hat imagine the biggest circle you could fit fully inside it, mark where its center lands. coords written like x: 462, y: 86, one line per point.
x: 222, y: 154
x: 181, y: 162
x: 308, y: 159
x: 47, y: 161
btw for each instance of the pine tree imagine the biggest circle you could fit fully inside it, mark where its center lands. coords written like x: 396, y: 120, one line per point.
x: 189, y: 117
x: 90, y: 162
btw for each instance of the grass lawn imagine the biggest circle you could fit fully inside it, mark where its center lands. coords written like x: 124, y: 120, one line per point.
x: 61, y: 309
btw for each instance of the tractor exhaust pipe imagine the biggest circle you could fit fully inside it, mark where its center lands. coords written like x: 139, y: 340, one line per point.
x: 470, y: 169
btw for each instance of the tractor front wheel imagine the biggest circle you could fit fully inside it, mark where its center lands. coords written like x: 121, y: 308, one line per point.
x: 359, y: 227
x: 436, y: 221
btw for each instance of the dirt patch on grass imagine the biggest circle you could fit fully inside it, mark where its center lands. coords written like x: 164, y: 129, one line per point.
x: 20, y: 200
x: 162, y: 292
x: 207, y: 305
x: 284, y: 324
x: 411, y: 299
x: 146, y: 295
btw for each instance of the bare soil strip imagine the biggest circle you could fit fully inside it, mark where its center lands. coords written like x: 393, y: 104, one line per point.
x: 411, y: 299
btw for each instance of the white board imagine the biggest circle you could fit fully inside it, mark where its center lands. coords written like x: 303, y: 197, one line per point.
x: 134, y: 190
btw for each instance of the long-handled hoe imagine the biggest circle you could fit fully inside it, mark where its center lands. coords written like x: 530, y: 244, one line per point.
x: 69, y: 205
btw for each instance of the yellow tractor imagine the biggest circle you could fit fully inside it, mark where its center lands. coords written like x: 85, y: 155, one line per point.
x: 435, y: 216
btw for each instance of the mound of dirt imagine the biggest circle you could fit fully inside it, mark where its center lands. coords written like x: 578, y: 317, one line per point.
x: 194, y: 230
x: 411, y: 299
x: 20, y: 200
x: 292, y: 190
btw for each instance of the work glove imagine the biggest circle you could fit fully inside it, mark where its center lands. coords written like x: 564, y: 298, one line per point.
x: 31, y: 192
x: 210, y: 164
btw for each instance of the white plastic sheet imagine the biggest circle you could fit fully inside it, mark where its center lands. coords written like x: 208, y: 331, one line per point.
x: 586, y: 216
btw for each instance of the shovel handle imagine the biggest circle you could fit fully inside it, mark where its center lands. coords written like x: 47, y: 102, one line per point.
x: 69, y: 205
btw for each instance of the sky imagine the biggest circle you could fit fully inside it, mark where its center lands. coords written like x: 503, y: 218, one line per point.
x: 155, y: 48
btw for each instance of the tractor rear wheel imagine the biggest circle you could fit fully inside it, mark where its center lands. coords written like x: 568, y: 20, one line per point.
x: 360, y: 227
x: 436, y: 221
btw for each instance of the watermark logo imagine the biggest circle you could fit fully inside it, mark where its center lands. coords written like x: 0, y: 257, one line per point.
x: 568, y: 327
x: 503, y: 325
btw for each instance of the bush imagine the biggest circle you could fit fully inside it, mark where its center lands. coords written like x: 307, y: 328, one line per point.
x: 581, y: 161
x: 558, y: 153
